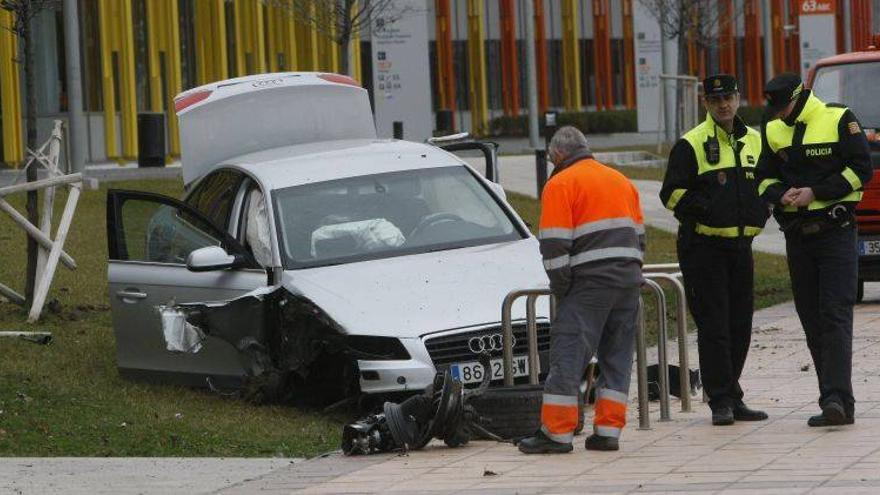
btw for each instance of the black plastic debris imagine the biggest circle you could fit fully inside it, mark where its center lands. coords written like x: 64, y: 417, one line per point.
x: 441, y: 412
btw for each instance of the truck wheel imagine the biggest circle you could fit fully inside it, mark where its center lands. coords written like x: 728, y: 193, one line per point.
x: 860, y: 292
x: 515, y: 412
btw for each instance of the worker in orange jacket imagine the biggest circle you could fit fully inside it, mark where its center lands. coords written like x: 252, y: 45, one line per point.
x: 592, y: 241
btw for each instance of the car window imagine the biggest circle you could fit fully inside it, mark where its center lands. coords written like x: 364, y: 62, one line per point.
x: 845, y: 84
x: 162, y: 233
x: 392, y: 214
x: 214, y: 196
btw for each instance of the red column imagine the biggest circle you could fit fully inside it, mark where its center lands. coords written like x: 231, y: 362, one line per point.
x: 629, y: 56
x: 860, y: 23
x: 602, y: 55
x: 726, y: 40
x: 541, y: 56
x: 445, y: 71
x: 754, y: 54
x: 509, y: 69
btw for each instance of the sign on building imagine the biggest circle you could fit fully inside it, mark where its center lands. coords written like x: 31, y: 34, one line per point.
x: 401, y: 73
x: 649, y: 66
x: 817, y: 28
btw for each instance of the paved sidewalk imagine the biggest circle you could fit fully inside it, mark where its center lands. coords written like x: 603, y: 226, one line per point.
x: 687, y: 454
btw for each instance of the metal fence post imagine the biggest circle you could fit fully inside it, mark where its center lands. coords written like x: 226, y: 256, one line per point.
x: 684, y: 381
x: 662, y: 360
x: 642, y: 369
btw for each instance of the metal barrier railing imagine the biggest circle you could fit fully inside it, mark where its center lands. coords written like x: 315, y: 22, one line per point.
x: 653, y: 274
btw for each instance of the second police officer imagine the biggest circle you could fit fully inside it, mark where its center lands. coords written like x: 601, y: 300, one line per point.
x: 710, y: 186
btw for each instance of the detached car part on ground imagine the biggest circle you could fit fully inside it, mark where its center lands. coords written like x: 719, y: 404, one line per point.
x: 313, y: 255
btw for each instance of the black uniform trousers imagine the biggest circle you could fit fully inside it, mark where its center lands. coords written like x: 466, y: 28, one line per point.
x: 718, y: 279
x: 824, y: 279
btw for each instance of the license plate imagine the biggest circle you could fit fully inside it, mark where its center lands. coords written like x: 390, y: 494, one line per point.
x: 473, y: 372
x: 869, y: 248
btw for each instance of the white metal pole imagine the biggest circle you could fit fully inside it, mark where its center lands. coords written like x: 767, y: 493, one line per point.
x: 76, y: 130
x: 531, y: 73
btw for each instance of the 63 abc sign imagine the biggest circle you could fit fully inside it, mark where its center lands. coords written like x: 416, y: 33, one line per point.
x: 813, y: 7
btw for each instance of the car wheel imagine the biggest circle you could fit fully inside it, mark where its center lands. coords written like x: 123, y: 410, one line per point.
x: 860, y: 291
x: 514, y: 412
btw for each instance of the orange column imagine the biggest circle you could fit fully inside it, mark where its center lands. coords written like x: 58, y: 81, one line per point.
x: 509, y: 69
x: 754, y: 54
x: 839, y: 26
x: 445, y: 70
x: 541, y: 56
x: 726, y: 41
x: 629, y: 56
x: 777, y: 13
x: 602, y: 55
x: 794, y: 40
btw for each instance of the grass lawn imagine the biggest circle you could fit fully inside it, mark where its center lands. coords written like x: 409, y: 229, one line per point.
x: 67, y: 399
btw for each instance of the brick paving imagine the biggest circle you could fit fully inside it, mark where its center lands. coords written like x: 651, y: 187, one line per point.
x: 686, y: 454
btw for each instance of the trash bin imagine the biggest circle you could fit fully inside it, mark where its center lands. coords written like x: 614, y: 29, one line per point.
x: 151, y: 139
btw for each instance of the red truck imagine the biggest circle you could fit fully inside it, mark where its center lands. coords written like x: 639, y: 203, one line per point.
x: 850, y: 79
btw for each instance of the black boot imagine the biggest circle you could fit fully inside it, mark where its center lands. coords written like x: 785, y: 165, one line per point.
x: 833, y: 414
x: 722, y: 416
x: 599, y: 442
x: 540, y: 444
x: 741, y: 412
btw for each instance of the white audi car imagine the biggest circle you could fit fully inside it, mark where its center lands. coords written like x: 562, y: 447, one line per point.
x: 307, y: 252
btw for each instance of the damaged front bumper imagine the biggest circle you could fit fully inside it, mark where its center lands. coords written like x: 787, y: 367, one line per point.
x: 383, y: 376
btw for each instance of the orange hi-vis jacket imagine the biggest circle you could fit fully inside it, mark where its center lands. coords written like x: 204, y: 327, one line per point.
x: 591, y: 229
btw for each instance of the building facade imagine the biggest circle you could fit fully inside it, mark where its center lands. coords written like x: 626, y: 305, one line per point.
x: 136, y: 55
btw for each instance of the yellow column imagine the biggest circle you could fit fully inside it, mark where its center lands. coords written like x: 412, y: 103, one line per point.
x: 163, y: 38
x: 127, y: 88
x: 250, y: 46
x: 210, y: 33
x: 272, y: 47
x: 355, y: 67
x: 10, y: 92
x: 155, y: 44
x: 107, y: 79
x: 307, y: 46
x: 477, y: 69
x: 291, y: 60
x: 571, y: 66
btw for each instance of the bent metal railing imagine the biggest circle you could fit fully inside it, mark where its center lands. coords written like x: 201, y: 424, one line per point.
x: 653, y: 273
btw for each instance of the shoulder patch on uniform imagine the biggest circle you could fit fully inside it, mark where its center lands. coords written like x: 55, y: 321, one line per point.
x: 835, y: 105
x: 854, y: 128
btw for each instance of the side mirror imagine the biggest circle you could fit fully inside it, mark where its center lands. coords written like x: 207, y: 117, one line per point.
x: 211, y: 258
x: 499, y: 190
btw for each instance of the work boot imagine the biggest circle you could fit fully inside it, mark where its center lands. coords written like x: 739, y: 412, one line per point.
x: 722, y: 416
x: 833, y: 414
x: 742, y: 412
x: 540, y: 444
x: 599, y: 442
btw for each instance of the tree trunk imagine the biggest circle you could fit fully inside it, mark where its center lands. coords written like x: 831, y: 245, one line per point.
x: 31, y: 133
x: 344, y: 53
x: 344, y: 39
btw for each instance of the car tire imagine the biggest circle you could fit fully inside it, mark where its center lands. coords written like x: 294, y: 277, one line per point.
x: 860, y: 291
x: 514, y: 412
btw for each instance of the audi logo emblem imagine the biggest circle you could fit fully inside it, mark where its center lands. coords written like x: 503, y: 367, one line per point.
x: 483, y: 343
x: 266, y: 82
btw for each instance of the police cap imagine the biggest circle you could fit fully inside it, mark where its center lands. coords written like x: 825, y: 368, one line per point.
x: 719, y: 84
x: 780, y: 90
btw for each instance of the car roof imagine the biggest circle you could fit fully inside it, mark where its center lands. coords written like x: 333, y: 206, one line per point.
x: 328, y: 160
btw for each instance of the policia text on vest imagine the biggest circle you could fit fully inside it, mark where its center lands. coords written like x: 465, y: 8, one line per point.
x: 814, y: 164
x: 710, y: 186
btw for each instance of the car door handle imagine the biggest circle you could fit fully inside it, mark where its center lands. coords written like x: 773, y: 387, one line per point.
x: 131, y: 294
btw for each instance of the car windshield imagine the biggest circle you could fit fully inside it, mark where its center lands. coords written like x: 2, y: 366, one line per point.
x: 391, y: 214
x: 851, y: 85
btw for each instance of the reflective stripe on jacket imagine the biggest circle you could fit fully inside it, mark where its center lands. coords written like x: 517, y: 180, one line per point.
x: 720, y: 199
x: 591, y: 227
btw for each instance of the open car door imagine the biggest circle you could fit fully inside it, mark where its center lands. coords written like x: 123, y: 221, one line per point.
x: 149, y: 239
x: 488, y: 149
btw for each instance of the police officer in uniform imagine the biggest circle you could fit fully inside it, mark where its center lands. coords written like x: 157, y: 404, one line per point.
x: 710, y: 186
x: 814, y: 163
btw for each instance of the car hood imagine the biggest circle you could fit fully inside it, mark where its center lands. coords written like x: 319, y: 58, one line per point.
x: 410, y: 296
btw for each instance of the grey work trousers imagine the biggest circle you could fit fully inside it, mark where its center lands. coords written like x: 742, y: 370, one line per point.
x: 598, y: 321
